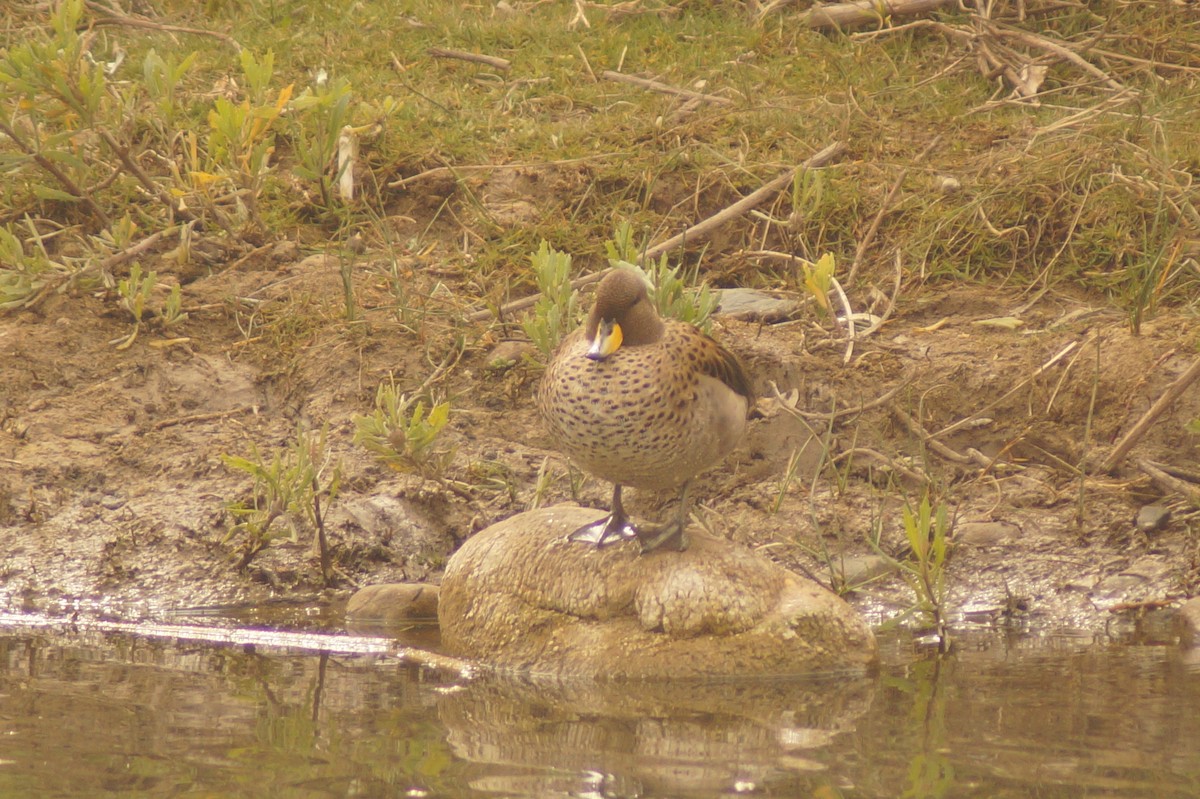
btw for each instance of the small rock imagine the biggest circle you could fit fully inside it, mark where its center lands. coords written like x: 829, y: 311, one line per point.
x: 949, y: 184
x: 1189, y: 622
x: 388, y: 603
x: 1153, y: 517
x: 862, y: 569
x: 751, y: 305
x: 507, y: 354
x: 987, y: 534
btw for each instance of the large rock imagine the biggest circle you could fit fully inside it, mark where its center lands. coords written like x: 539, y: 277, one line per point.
x: 521, y: 597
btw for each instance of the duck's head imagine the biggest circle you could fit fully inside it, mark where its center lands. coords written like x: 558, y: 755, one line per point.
x: 622, y: 316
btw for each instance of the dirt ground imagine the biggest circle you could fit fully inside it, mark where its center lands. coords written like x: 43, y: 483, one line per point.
x: 113, y: 492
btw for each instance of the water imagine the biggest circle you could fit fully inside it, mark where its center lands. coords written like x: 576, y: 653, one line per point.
x: 95, y: 710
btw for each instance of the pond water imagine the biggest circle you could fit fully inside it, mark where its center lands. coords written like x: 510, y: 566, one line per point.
x: 105, y: 709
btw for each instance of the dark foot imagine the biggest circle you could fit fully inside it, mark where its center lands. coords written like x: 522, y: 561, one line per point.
x: 670, y: 534
x: 608, y: 530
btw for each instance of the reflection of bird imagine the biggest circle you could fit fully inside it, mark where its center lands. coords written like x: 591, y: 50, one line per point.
x: 642, y: 402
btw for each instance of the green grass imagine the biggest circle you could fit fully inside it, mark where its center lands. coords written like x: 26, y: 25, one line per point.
x: 1075, y: 191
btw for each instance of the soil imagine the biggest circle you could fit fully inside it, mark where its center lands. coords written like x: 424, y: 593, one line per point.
x: 113, y: 490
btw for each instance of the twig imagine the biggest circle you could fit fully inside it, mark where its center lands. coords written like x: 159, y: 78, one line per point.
x: 694, y: 234
x: 115, y: 17
x: 879, y: 457
x: 663, y: 88
x: 452, y: 171
x: 1168, y: 483
x: 834, y: 415
x: 48, y: 165
x: 845, y: 302
x: 107, y: 265
x: 202, y: 417
x: 1160, y: 405
x: 920, y: 432
x: 961, y: 423
x: 1043, y: 43
x: 850, y: 15
x: 502, y: 64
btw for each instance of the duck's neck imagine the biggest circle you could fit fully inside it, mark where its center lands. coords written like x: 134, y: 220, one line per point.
x: 639, y: 325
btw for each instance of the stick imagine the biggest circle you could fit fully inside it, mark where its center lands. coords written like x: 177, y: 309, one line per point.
x: 117, y: 18
x: 698, y: 233
x: 851, y: 15
x: 502, y: 64
x: 663, y: 88
x: 833, y: 415
x: 203, y: 417
x: 1168, y: 483
x: 1161, y: 404
x: 1064, y: 52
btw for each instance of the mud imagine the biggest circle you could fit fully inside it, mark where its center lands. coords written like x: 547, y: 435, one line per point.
x: 113, y: 489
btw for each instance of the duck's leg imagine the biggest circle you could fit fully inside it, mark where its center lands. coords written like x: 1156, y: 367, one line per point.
x: 612, y: 528
x: 672, y: 531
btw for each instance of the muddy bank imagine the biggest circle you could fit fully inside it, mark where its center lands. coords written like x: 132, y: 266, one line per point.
x: 112, y: 485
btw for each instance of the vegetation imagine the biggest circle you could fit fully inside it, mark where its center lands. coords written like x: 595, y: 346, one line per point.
x: 144, y: 153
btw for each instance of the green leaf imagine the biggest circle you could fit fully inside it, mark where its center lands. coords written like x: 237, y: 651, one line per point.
x: 47, y: 193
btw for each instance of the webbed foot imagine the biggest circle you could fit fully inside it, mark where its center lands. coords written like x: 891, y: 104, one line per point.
x: 670, y: 533
x: 609, y: 530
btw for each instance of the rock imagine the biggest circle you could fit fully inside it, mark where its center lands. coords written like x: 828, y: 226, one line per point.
x: 752, y: 305
x: 1189, y: 622
x: 857, y: 571
x: 1152, y: 517
x: 390, y: 603
x: 986, y: 534
x: 522, y: 598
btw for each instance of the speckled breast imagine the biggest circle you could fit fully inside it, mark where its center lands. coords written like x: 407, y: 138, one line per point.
x: 630, y: 418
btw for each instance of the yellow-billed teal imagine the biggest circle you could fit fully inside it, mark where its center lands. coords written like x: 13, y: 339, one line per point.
x: 642, y: 401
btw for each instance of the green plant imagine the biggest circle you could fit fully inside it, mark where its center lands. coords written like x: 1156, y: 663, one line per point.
x: 818, y: 280
x: 670, y: 287
x: 556, y: 312
x: 323, y: 112
x: 403, y: 434
x: 291, y: 484
x: 925, y: 530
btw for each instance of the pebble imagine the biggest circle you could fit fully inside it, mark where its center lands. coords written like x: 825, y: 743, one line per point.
x: 987, y: 534
x: 1189, y: 622
x: 752, y: 305
x: 394, y: 602
x: 1153, y: 517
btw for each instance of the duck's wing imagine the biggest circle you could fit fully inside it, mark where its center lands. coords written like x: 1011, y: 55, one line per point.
x: 716, y: 361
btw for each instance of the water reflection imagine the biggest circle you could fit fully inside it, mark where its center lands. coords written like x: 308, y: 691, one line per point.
x: 94, y: 713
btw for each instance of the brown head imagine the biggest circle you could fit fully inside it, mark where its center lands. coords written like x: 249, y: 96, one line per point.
x: 622, y: 316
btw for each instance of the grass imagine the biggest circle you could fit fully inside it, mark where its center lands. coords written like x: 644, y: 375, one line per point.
x: 1081, y: 189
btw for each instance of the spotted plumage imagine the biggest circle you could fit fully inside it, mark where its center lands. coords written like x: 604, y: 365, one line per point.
x: 652, y: 410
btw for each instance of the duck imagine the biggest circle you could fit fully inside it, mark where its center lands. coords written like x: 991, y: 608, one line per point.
x: 642, y: 401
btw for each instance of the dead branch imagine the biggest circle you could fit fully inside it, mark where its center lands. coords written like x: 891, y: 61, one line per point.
x: 1167, y: 483
x: 852, y: 15
x: 1160, y: 405
x: 694, y: 234
x: 502, y: 64
x: 663, y: 88
x: 917, y: 477
x: 915, y: 428
x: 815, y: 416
x: 114, y: 17
x: 1060, y: 50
